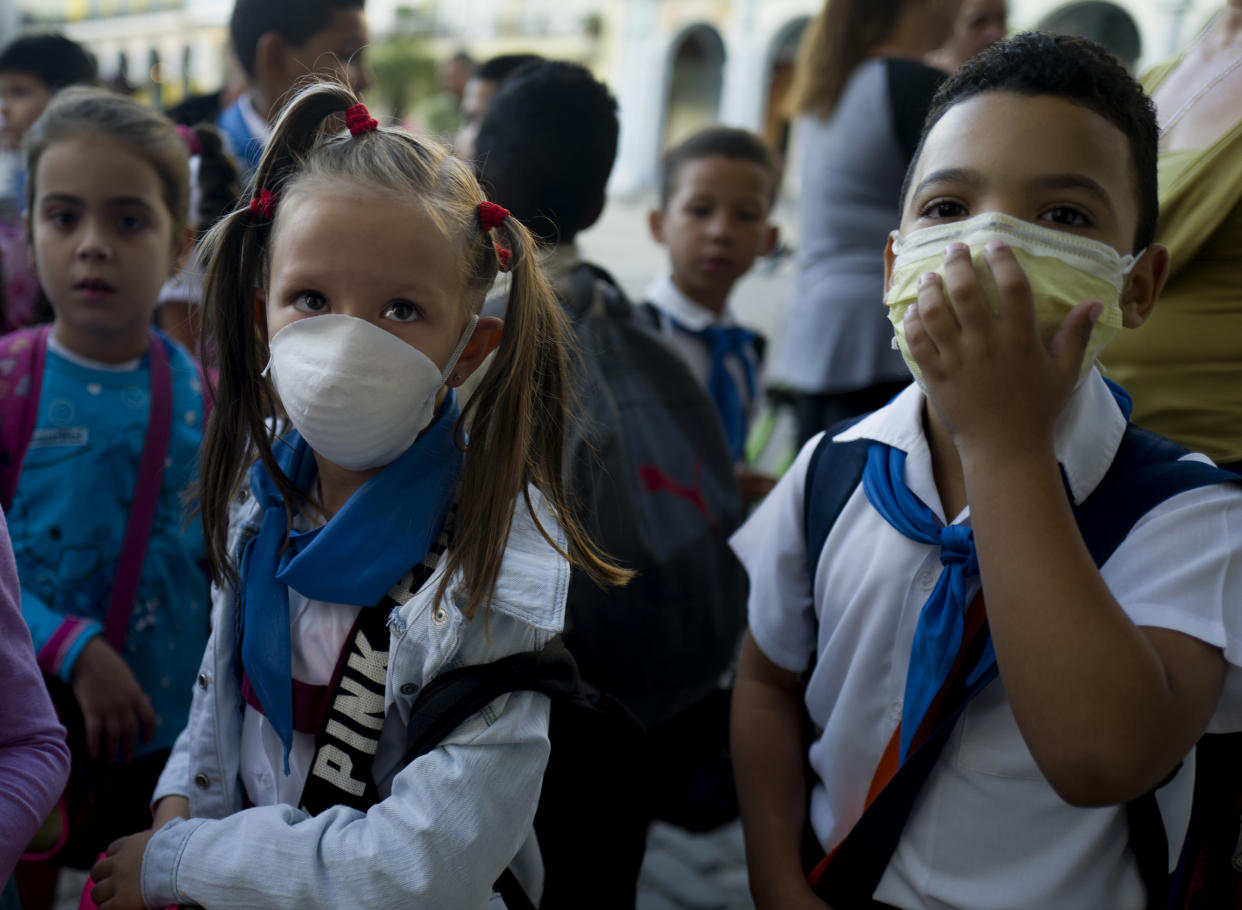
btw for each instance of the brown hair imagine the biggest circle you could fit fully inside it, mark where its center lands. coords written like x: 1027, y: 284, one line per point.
x: 78, y: 111
x: 518, y: 416
x: 836, y: 41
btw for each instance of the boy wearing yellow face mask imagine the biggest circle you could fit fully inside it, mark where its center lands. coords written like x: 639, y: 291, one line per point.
x: 1009, y: 613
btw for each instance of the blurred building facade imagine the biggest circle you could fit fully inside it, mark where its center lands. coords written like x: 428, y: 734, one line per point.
x: 675, y: 65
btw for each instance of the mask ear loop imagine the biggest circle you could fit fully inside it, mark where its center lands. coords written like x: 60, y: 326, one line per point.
x: 466, y: 335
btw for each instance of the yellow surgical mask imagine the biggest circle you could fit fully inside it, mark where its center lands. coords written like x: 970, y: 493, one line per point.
x: 1063, y: 270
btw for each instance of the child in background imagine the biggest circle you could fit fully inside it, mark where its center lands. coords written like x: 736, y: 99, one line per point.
x: 34, y: 760
x: 278, y: 43
x: 213, y: 193
x: 365, y: 555
x: 716, y: 196
x: 107, y: 196
x: 32, y: 69
x: 1026, y: 243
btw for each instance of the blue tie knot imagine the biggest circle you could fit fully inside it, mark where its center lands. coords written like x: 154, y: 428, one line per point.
x: 957, y: 547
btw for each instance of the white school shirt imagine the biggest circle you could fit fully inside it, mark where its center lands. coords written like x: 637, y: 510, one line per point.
x: 666, y: 297
x: 987, y: 830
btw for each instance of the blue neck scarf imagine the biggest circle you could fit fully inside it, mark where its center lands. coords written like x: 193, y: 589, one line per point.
x: 938, y: 634
x: 386, y: 527
x: 725, y: 342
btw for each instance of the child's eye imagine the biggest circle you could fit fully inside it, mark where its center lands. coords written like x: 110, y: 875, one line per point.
x: 401, y: 311
x: 61, y: 218
x: 130, y: 223
x: 1067, y: 216
x: 310, y: 302
x: 943, y: 208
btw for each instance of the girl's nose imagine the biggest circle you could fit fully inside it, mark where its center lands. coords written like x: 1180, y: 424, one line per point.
x: 93, y: 242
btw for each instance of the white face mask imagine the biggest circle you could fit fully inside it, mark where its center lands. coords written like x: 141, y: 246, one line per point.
x: 1063, y: 270
x: 358, y: 395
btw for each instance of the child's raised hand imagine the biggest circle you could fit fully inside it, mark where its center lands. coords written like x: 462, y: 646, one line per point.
x: 992, y: 379
x: 118, y: 875
x: 115, y: 709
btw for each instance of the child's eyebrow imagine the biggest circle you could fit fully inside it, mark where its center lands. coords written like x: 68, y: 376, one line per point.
x: 949, y: 175
x: 1071, y: 181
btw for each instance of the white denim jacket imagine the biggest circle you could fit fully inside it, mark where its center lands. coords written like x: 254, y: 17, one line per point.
x: 455, y: 818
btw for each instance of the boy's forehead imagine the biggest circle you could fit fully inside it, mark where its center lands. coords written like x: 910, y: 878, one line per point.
x: 1004, y: 136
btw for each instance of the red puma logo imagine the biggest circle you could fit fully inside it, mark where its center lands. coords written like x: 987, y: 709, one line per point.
x: 654, y: 480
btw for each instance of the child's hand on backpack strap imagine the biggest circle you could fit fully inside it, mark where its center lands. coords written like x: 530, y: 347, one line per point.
x: 118, y: 874
x: 115, y: 709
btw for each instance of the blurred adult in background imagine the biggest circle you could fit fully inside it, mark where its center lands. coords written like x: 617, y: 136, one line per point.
x: 1184, y: 367
x: 32, y: 69
x: 440, y: 114
x: 278, y: 43
x: 477, y: 95
x: 980, y: 23
x: 1105, y: 23
x: 861, y: 91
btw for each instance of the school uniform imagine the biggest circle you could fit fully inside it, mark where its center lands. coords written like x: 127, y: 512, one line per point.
x: 245, y: 133
x: 987, y: 831
x: 722, y: 355
x: 447, y: 824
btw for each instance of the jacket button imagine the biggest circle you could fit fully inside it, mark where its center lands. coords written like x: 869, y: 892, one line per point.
x: 203, y: 680
x: 408, y: 688
x: 201, y: 781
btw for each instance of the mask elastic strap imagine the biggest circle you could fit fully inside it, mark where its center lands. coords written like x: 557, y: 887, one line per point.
x: 461, y: 346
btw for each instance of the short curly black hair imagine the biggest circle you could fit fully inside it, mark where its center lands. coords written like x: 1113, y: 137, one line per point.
x: 546, y: 147
x: 55, y: 60
x: 1078, y: 70
x: 722, y: 141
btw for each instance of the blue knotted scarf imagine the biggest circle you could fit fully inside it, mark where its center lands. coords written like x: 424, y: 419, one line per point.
x: 724, y: 342
x: 938, y: 634
x: 386, y: 527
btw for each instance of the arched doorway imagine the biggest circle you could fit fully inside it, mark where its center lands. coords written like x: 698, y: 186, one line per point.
x: 782, y: 54
x: 1107, y: 23
x: 696, y: 76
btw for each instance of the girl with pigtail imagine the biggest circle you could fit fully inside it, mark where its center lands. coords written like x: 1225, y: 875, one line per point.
x: 360, y: 545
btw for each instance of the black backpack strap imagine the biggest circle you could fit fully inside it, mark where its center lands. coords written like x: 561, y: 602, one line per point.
x: 586, y: 280
x: 831, y: 478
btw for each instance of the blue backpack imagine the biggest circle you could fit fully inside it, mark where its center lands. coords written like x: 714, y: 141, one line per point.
x: 1145, y: 472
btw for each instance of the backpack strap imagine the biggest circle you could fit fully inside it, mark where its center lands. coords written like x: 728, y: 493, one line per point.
x: 1145, y: 472
x: 592, y: 287
x: 22, y: 355
x: 456, y: 695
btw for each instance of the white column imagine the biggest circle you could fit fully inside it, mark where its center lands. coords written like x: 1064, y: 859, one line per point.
x: 641, y: 81
x: 745, y: 76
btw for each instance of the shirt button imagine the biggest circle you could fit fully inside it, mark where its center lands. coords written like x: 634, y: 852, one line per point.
x: 408, y: 688
x: 439, y: 615
x: 243, y: 495
x: 203, y: 680
x: 201, y: 781
x: 927, y: 579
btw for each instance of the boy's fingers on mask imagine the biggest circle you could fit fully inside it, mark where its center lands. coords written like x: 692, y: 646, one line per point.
x: 934, y: 312
x: 1069, y: 344
x: 922, y: 348
x: 1016, y: 303
x: 970, y: 303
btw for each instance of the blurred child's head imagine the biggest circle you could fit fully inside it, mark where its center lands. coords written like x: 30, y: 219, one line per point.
x: 107, y: 200
x: 477, y: 95
x: 386, y: 229
x: 1054, y: 133
x: 278, y: 42
x: 32, y: 69
x: 546, y: 148
x: 979, y: 24
x: 717, y: 189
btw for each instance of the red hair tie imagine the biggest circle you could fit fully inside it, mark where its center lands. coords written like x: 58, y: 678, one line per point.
x: 190, y: 138
x: 264, y: 204
x: 492, y: 215
x: 359, y: 120
x: 503, y: 255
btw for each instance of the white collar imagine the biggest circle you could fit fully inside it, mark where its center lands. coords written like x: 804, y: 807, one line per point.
x: 693, y: 316
x: 1085, y: 438
x: 258, y: 127
x: 54, y: 345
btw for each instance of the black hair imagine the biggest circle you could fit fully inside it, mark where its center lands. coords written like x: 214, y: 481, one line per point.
x: 218, y: 180
x: 546, y: 147
x: 1077, y: 70
x: 721, y: 141
x: 294, y: 20
x: 497, y: 69
x: 54, y: 59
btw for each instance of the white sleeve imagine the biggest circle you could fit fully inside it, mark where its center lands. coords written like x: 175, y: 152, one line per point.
x: 772, y: 547
x: 1180, y: 569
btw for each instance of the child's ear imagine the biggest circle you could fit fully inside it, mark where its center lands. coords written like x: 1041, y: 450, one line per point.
x: 655, y: 221
x: 486, y: 338
x: 890, y: 256
x: 271, y: 60
x: 183, y: 246
x: 771, y: 240
x: 1143, y: 285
